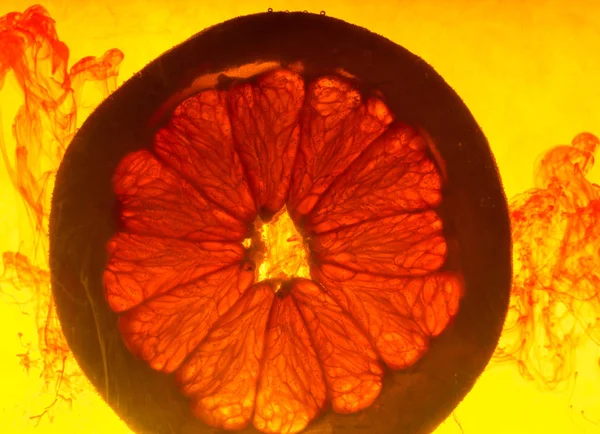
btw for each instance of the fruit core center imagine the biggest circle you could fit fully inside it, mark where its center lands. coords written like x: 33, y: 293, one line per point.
x: 278, y: 250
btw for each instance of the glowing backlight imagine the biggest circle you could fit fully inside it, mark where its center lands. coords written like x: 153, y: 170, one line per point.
x: 554, y: 310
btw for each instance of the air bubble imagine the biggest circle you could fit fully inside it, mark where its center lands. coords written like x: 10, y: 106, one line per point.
x: 323, y: 12
x: 270, y: 10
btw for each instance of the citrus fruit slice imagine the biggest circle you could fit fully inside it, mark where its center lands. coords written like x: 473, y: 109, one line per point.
x: 285, y: 224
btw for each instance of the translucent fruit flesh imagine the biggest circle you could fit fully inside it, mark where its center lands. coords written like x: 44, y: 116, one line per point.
x: 270, y: 321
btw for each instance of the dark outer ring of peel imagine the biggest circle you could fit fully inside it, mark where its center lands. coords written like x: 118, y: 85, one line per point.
x: 474, y: 211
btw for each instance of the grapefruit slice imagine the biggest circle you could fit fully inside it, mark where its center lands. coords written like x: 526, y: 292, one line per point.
x: 303, y: 234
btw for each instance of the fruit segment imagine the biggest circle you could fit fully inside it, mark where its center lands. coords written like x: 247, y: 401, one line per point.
x: 220, y: 377
x: 291, y: 389
x: 397, y: 313
x: 407, y: 244
x: 264, y: 117
x: 141, y: 267
x: 156, y: 201
x: 336, y: 126
x: 198, y: 144
x: 350, y: 364
x: 394, y: 175
x: 165, y: 329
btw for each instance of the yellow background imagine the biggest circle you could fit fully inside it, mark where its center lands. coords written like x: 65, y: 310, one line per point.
x: 528, y: 70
